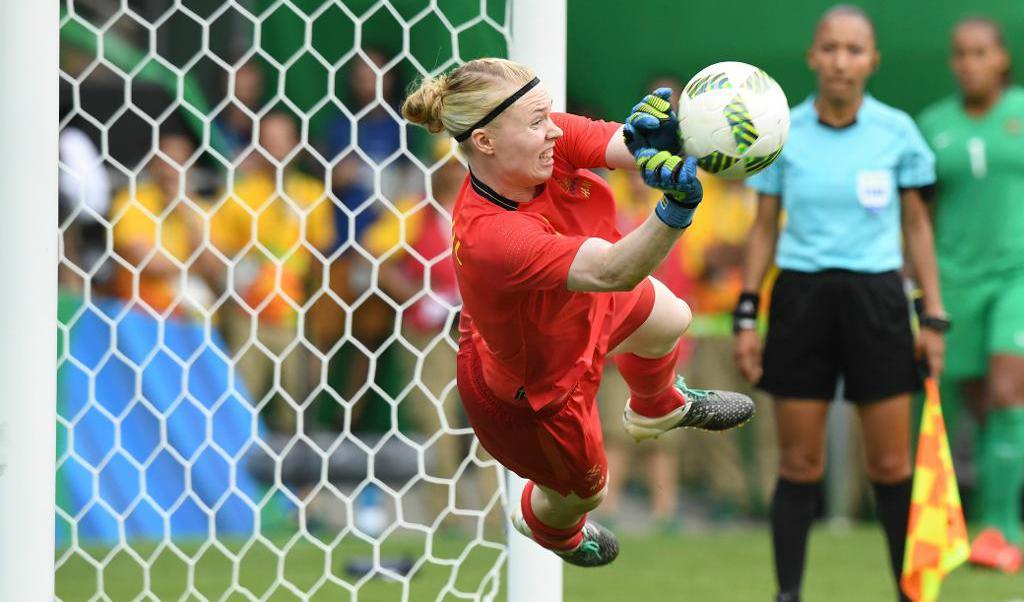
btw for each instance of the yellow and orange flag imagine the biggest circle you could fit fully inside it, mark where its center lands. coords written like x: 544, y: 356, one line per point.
x: 937, y: 534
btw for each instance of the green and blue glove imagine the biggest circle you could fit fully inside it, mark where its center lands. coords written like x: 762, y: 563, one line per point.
x: 677, y: 178
x: 651, y: 133
x: 653, y: 124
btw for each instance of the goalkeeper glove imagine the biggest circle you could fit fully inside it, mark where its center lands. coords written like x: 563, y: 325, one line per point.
x: 677, y: 178
x: 653, y: 124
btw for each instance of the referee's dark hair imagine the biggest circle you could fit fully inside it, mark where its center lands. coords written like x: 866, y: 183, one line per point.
x: 846, y: 10
x: 997, y: 34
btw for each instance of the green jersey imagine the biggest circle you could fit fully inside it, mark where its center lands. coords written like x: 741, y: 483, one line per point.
x: 979, y: 212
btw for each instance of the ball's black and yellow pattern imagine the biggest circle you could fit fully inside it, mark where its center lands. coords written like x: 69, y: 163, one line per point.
x: 741, y: 124
x: 734, y: 90
x: 712, y: 81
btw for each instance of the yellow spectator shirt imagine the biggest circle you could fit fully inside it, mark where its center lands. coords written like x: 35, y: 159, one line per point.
x: 283, y: 229
x: 138, y: 221
x: 724, y: 217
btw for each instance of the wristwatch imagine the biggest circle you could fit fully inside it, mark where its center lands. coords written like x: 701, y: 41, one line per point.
x: 936, y: 323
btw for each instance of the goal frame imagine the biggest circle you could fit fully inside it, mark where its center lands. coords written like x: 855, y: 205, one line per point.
x: 28, y: 412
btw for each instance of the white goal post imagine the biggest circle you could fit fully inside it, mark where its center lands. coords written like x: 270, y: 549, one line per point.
x: 28, y: 130
x: 539, y: 41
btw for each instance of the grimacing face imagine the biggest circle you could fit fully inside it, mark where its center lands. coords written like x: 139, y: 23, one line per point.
x: 978, y: 60
x: 844, y: 56
x: 523, y: 138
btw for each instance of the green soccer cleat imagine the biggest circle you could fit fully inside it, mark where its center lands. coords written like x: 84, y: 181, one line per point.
x: 598, y: 548
x: 706, y: 410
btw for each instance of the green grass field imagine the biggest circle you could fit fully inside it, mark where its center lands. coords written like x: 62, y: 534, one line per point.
x: 728, y: 565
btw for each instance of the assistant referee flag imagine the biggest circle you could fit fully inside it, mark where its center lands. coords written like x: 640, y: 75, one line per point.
x: 937, y: 534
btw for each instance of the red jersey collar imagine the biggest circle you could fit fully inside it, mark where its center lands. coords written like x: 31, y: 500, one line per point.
x: 491, y: 195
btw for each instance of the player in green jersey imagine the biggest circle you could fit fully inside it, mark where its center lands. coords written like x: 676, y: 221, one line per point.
x: 978, y: 139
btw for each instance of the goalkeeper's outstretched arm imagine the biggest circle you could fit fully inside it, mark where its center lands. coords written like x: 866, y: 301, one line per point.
x: 603, y: 266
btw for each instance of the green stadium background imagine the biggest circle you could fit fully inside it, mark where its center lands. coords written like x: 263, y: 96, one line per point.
x: 616, y: 48
x: 680, y: 38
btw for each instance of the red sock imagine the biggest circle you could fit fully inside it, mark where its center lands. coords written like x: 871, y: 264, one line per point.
x: 650, y: 383
x: 550, y: 537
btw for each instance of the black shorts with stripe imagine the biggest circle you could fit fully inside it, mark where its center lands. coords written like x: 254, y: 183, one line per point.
x: 833, y: 323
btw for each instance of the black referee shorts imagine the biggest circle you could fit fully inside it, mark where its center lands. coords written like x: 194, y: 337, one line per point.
x: 825, y: 324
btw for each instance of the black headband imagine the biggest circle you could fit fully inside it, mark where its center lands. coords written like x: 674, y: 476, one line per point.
x: 498, y: 109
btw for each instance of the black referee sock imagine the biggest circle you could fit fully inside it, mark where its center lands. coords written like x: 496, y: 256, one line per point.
x: 893, y: 502
x: 794, y: 507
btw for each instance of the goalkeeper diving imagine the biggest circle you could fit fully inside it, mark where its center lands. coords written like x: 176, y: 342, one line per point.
x: 550, y: 288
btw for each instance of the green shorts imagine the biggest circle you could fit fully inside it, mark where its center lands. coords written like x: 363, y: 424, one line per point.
x: 988, y: 319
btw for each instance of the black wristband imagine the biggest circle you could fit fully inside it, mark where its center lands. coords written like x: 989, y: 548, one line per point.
x: 744, y: 317
x: 935, y: 323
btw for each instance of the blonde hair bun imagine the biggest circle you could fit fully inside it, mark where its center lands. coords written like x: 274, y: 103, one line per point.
x: 423, y: 106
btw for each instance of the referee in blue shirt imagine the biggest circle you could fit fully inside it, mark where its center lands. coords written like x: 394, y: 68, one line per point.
x: 850, y: 181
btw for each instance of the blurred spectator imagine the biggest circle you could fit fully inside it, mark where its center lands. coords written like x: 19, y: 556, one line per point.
x: 84, y: 183
x: 377, y: 136
x: 977, y: 135
x: 157, y: 227
x: 738, y: 465
x: 235, y: 121
x: 420, y: 265
x: 422, y: 254
x: 634, y: 202
x: 84, y: 198
x: 378, y: 133
x: 271, y: 231
x: 354, y: 181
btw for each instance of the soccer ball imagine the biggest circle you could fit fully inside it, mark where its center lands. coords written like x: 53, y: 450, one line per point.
x: 734, y: 118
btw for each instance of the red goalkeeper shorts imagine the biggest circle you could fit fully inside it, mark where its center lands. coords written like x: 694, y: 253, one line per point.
x: 559, y: 446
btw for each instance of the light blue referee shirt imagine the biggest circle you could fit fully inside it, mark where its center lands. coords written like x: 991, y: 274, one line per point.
x: 840, y: 188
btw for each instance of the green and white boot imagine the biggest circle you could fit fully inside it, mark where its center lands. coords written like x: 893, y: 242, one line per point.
x: 598, y: 548
x: 704, y: 409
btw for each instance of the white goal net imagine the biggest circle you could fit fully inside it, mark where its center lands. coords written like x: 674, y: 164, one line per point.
x: 256, y: 395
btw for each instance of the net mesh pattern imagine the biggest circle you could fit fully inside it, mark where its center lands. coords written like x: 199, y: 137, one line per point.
x: 257, y: 318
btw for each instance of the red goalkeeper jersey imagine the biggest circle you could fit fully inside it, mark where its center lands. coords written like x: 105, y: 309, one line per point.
x: 535, y: 337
